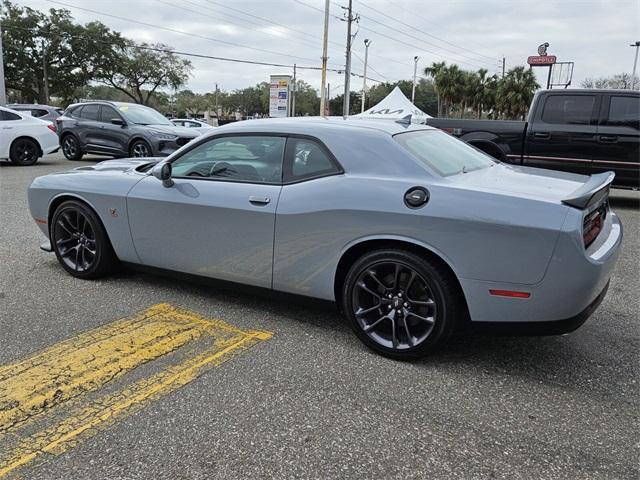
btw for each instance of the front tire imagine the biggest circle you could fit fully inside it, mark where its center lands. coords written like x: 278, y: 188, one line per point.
x: 71, y: 148
x: 140, y: 149
x: 24, y: 152
x: 400, y: 304
x: 80, y: 241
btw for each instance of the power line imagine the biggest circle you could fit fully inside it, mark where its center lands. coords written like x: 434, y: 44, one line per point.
x: 428, y: 34
x: 188, y: 54
x: 181, y: 32
x: 418, y: 39
x: 182, y: 7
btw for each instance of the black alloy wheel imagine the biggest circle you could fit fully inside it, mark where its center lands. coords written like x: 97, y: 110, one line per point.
x: 71, y: 148
x: 140, y: 149
x: 80, y: 242
x: 400, y: 304
x: 24, y: 152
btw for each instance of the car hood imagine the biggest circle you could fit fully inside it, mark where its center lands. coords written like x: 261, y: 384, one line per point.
x: 174, y: 130
x: 527, y: 182
x: 119, y: 165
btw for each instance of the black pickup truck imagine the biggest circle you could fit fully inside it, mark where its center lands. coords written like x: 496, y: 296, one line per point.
x: 581, y: 131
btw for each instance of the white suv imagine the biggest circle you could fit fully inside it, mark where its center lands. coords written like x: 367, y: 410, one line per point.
x: 24, y: 139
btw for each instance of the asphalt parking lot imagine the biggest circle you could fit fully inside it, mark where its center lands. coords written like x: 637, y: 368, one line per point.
x: 311, y: 401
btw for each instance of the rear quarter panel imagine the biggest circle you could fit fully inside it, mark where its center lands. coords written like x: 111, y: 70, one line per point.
x: 481, y: 235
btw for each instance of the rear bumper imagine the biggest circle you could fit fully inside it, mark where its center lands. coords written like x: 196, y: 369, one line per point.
x: 555, y: 327
x: 574, y: 282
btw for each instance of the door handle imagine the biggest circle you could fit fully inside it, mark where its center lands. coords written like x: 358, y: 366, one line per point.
x: 7, y: 128
x: 542, y: 135
x: 259, y: 200
x: 608, y: 138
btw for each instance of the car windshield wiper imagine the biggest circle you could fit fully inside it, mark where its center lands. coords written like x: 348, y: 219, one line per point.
x: 140, y: 123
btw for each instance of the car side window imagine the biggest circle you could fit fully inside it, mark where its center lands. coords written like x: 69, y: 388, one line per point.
x: 90, y: 112
x: 254, y: 159
x: 177, y: 123
x: 624, y: 111
x: 194, y: 124
x: 306, y: 158
x: 568, y: 109
x: 37, y: 112
x: 7, y: 116
x: 107, y: 114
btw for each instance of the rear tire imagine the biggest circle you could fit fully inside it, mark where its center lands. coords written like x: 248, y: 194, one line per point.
x: 400, y: 304
x: 24, y: 152
x: 71, y: 148
x: 80, y: 242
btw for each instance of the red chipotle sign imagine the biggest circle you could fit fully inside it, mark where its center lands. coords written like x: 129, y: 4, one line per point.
x: 541, y: 60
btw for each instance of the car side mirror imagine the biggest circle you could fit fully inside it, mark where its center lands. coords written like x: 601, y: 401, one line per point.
x: 162, y: 172
x: 118, y: 121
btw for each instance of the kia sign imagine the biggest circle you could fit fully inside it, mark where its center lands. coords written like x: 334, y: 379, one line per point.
x: 541, y: 60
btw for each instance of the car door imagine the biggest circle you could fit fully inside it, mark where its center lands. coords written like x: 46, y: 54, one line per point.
x: 9, y: 123
x: 113, y: 137
x: 562, y: 135
x: 87, y: 127
x: 217, y: 220
x: 619, y: 138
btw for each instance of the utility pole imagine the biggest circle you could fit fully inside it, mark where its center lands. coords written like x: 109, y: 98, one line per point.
x: 415, y: 71
x: 325, y: 39
x: 502, y: 67
x: 367, y: 42
x: 3, y: 92
x: 633, y: 75
x: 347, y: 71
x: 216, y: 102
x: 45, y: 74
x: 328, y: 104
x: 293, y: 93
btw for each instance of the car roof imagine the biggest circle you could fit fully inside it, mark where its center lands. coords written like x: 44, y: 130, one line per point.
x: 586, y: 91
x: 107, y: 102
x: 313, y: 124
x: 32, y: 105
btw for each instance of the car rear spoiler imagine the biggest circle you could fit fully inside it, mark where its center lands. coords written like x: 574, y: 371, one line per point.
x: 594, y: 190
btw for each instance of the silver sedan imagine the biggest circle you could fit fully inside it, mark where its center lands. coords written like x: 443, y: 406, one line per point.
x: 410, y: 231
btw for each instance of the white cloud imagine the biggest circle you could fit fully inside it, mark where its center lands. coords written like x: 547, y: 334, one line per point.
x: 595, y: 34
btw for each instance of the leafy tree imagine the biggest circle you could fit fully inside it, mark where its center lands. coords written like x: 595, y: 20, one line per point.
x: 190, y: 104
x: 515, y: 92
x: 307, y: 99
x: 47, y: 54
x: 139, y: 71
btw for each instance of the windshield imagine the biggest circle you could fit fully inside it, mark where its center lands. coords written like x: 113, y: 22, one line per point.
x: 143, y: 115
x: 445, y: 154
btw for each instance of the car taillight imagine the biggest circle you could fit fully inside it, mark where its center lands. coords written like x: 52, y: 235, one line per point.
x: 592, y: 224
x: 52, y: 127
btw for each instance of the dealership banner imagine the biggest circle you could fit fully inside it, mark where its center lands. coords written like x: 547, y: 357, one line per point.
x: 279, y: 95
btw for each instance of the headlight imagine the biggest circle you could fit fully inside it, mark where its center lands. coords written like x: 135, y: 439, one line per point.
x: 164, y: 136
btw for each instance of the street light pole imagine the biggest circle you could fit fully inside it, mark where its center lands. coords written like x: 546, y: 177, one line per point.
x: 3, y: 93
x: 635, y: 65
x: 415, y: 71
x: 325, y: 39
x: 367, y: 42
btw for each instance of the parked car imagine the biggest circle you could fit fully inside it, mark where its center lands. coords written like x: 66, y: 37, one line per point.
x: 581, y: 131
x: 118, y: 129
x: 43, y: 112
x: 24, y: 139
x: 411, y: 231
x: 198, y: 125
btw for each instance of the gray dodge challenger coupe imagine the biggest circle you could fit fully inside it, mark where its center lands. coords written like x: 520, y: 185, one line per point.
x: 408, y: 229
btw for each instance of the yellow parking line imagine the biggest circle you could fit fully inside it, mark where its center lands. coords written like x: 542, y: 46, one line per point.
x: 83, y: 364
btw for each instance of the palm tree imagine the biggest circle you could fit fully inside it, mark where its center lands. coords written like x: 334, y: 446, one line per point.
x: 451, y: 87
x: 435, y: 71
x: 515, y: 92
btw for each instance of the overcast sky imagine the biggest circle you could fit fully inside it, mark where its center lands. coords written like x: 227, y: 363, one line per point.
x: 595, y: 34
